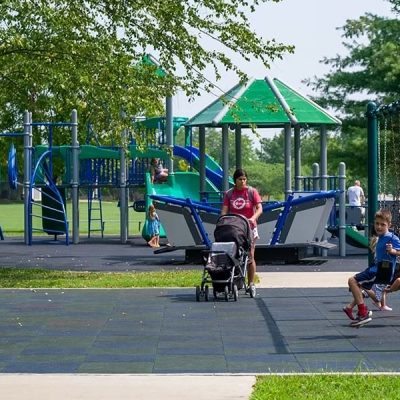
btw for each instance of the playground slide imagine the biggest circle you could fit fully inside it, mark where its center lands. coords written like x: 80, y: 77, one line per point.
x: 180, y: 184
x: 210, y: 162
x: 353, y: 238
x: 189, y: 156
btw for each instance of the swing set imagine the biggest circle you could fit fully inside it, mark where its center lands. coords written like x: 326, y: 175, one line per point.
x: 389, y: 136
x: 383, y: 125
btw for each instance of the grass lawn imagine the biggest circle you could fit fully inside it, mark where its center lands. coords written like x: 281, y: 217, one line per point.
x: 12, y: 218
x: 327, y: 386
x: 40, y: 278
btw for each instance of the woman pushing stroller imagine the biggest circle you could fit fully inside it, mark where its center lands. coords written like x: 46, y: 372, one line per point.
x: 246, y: 201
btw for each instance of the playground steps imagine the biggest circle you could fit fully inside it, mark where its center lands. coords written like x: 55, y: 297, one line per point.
x: 324, y: 245
x: 95, y: 212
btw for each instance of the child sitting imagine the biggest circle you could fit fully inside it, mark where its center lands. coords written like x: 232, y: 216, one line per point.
x: 157, y: 171
x: 386, y: 247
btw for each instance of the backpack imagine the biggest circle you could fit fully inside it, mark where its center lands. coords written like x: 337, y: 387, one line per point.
x: 249, y: 191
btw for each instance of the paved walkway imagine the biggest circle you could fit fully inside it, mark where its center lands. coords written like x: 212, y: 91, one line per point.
x: 162, y: 344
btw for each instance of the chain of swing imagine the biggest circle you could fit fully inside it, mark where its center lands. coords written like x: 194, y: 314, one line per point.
x: 382, y: 170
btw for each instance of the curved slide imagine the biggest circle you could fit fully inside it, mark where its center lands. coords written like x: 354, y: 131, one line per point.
x: 210, y: 162
x: 213, y: 170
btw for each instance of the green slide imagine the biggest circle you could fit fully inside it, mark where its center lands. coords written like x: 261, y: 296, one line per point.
x: 356, y: 239
x: 353, y: 237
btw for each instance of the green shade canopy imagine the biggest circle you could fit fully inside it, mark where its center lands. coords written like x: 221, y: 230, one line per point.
x: 158, y: 123
x: 265, y: 103
x: 148, y: 59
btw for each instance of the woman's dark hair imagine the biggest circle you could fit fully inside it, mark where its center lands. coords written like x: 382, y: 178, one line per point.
x: 238, y: 173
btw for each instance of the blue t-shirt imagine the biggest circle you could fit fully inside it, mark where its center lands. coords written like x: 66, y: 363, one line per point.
x: 382, y: 254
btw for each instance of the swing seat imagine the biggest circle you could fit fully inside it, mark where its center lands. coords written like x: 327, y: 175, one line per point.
x: 384, y: 272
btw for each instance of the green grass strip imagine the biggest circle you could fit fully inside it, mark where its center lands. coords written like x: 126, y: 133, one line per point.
x: 41, y: 278
x: 327, y: 386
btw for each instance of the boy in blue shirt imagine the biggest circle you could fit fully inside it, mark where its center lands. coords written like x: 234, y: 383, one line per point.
x: 387, y: 249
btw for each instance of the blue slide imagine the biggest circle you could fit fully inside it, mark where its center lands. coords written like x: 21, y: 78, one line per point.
x: 210, y: 162
x: 213, y: 170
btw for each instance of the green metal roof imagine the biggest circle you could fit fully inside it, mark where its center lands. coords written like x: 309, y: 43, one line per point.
x: 160, y: 122
x: 265, y: 103
x: 305, y: 110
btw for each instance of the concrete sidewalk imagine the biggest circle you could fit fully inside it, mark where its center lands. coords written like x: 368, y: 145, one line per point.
x: 126, y: 387
x: 328, y: 279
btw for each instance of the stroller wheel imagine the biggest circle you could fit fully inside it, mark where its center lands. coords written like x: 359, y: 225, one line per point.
x: 206, y: 293
x: 226, y: 292
x: 252, y: 290
x: 235, y: 293
x: 197, y: 293
x: 215, y: 293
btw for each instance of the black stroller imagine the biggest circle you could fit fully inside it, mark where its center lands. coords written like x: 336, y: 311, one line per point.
x: 225, y: 264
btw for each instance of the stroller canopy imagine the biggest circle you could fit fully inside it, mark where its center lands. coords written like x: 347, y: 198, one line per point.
x: 233, y: 228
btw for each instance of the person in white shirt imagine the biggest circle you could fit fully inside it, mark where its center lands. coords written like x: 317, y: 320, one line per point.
x: 356, y: 197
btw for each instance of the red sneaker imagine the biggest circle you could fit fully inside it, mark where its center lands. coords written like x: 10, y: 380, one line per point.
x: 349, y: 313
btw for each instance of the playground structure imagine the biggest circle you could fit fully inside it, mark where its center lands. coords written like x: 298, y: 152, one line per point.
x: 91, y: 168
x: 265, y: 103
x: 212, y: 180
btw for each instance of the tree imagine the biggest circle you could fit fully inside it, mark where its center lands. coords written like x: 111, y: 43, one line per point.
x: 56, y: 55
x: 272, y: 150
x: 369, y: 71
x: 269, y: 179
x: 214, y: 145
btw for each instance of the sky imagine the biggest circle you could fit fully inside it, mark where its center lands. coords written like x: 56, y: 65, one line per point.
x: 309, y: 25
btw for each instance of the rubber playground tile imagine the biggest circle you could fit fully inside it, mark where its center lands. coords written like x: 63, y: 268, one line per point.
x: 21, y: 330
x: 76, y: 325
x: 308, y: 348
x: 170, y: 350
x: 195, y: 337
x: 11, y: 350
x: 61, y: 341
x: 116, y: 358
x: 49, y: 358
x: 6, y: 358
x: 247, y: 351
x: 116, y: 368
x: 178, y: 335
x: 366, y: 345
x: 71, y: 332
x: 135, y: 326
x: 262, y: 368
x: 250, y: 333
x: 192, y: 363
x: 41, y: 367
x: 383, y: 360
x: 340, y: 362
x: 191, y: 345
x: 42, y: 352
x: 115, y: 350
x: 127, y: 340
x: 266, y: 342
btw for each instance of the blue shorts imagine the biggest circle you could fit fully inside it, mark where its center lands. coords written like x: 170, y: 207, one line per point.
x: 366, y: 278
